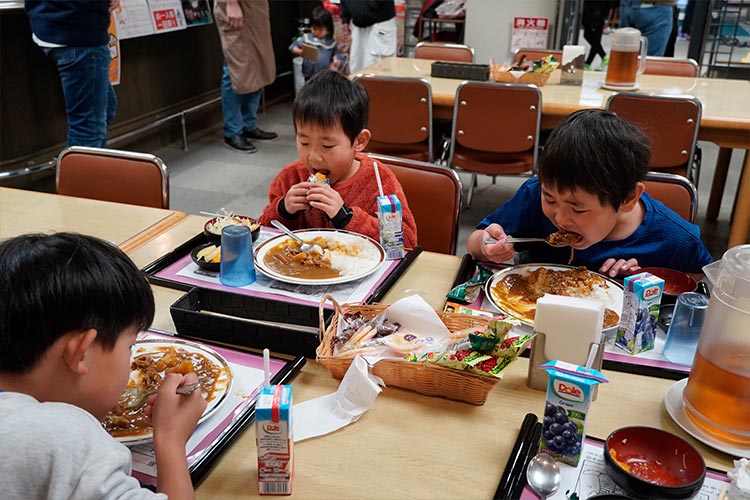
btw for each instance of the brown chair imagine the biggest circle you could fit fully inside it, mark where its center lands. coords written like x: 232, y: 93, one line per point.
x: 400, y: 117
x: 434, y: 197
x: 670, y: 122
x: 495, y: 129
x: 113, y: 175
x: 671, y: 66
x: 444, y: 52
x: 534, y: 54
x: 675, y: 191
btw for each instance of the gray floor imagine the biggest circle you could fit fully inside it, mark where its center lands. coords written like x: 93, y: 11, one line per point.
x: 209, y: 176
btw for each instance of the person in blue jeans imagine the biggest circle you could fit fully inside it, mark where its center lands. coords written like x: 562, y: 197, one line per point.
x: 653, y: 18
x: 74, y: 35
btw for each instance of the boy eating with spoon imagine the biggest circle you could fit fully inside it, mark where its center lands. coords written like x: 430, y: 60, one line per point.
x: 590, y: 182
x: 71, y: 309
x: 330, y: 114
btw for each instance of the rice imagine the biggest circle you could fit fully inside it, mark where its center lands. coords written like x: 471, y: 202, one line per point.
x: 351, y: 255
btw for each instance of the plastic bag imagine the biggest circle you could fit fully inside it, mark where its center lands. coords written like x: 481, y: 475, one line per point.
x: 452, y: 8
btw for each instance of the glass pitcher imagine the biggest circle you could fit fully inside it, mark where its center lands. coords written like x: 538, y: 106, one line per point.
x: 717, y: 395
x: 624, y: 64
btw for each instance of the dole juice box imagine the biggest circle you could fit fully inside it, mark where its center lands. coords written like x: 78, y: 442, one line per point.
x: 569, y: 393
x: 273, y: 428
x: 391, y: 226
x: 640, y: 310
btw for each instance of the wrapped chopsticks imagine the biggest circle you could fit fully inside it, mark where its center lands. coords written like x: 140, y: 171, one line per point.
x: 514, y: 476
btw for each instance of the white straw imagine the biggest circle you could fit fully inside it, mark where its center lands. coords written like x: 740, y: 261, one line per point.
x: 377, y: 177
x: 266, y: 369
x: 592, y: 355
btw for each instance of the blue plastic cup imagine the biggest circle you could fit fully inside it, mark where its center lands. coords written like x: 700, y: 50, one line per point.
x: 236, y: 268
x: 685, y: 328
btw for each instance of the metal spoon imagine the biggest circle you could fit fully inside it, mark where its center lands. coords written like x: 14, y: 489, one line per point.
x: 543, y: 475
x: 510, y: 239
x: 137, y: 396
x: 305, y: 247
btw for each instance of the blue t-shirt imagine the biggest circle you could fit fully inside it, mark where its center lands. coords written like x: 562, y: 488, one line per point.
x: 664, y: 239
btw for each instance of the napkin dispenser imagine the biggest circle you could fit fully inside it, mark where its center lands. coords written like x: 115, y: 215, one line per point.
x: 566, y: 328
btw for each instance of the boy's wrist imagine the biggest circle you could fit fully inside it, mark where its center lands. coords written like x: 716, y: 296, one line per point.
x: 342, y: 217
x: 283, y: 211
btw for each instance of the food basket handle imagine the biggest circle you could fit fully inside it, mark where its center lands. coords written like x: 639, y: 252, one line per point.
x: 321, y: 313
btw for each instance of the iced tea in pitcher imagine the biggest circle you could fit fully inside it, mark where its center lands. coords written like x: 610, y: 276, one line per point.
x: 717, y: 395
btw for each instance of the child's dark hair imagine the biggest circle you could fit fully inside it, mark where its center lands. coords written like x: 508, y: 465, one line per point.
x: 597, y: 152
x: 321, y: 18
x: 329, y: 98
x: 55, y: 284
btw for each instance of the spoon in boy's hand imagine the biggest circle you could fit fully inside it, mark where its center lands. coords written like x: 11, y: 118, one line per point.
x: 136, y: 397
x: 558, y: 239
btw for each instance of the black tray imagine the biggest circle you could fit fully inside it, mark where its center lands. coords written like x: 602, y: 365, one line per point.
x: 247, y: 321
x: 461, y: 71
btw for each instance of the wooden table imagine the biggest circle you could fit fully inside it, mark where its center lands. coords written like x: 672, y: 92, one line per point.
x: 409, y: 445
x: 128, y: 226
x: 725, y: 120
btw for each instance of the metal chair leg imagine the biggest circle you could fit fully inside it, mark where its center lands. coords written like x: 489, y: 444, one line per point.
x: 472, y: 185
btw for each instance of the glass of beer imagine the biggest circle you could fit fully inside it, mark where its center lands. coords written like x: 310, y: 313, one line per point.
x: 624, y: 65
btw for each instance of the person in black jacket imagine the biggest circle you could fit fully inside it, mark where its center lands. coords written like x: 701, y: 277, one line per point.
x: 374, y: 31
x: 74, y: 35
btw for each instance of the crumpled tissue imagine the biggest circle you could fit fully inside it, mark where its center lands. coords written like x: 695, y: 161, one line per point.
x: 355, y: 395
x: 740, y: 476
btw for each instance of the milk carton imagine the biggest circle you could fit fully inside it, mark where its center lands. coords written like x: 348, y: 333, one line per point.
x: 273, y: 427
x: 391, y: 229
x: 640, y: 310
x: 569, y: 393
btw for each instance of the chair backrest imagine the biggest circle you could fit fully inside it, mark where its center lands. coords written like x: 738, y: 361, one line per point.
x: 496, y: 118
x: 113, y: 175
x: 671, y: 66
x: 444, y: 52
x: 400, y: 117
x: 670, y: 122
x: 675, y: 191
x: 534, y: 54
x: 433, y: 193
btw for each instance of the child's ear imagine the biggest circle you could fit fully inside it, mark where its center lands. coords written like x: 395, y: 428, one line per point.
x: 76, y: 347
x: 632, y: 200
x: 360, y: 142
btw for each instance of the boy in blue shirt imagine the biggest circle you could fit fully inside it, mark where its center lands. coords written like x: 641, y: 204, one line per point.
x: 590, y: 182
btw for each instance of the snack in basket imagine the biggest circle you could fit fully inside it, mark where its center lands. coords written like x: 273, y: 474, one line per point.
x: 536, y: 72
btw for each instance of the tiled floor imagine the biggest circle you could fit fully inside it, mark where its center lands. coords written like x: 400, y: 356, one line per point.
x: 210, y: 176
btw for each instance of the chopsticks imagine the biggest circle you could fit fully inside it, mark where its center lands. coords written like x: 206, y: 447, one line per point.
x: 514, y: 476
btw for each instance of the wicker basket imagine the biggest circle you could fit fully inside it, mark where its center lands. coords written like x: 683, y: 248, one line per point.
x: 424, y: 378
x: 538, y: 79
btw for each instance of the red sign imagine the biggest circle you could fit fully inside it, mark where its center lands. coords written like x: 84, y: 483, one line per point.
x: 530, y: 23
x: 165, y: 19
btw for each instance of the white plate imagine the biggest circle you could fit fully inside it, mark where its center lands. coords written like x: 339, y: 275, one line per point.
x: 344, y: 236
x: 618, y: 87
x: 614, y: 289
x: 221, y: 390
x: 676, y: 409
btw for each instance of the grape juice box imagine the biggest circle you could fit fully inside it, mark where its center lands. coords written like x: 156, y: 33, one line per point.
x: 569, y: 393
x: 274, y: 439
x: 640, y: 310
x: 391, y: 226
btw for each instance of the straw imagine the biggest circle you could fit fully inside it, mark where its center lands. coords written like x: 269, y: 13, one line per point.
x: 266, y: 369
x: 377, y: 177
x: 592, y: 355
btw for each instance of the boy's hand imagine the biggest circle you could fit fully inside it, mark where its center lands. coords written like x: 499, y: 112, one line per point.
x: 500, y: 251
x: 614, y: 267
x: 325, y: 198
x: 174, y: 416
x: 296, y: 198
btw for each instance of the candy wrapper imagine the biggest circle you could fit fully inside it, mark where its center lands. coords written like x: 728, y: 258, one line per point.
x: 485, y: 352
x: 740, y: 477
x: 318, y: 178
x: 469, y: 292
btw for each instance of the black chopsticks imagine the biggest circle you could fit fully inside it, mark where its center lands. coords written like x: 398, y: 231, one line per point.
x: 514, y: 476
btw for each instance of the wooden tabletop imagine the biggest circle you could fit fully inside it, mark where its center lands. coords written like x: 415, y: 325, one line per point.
x: 409, y: 445
x: 128, y: 226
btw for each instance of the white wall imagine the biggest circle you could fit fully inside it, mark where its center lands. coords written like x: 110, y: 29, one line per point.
x: 489, y: 24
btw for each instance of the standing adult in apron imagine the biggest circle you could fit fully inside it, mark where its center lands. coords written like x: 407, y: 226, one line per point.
x: 249, y: 65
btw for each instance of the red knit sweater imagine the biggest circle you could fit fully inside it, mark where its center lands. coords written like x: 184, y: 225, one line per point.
x: 359, y: 193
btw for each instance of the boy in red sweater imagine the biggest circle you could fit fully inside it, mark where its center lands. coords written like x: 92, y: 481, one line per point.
x: 330, y: 114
